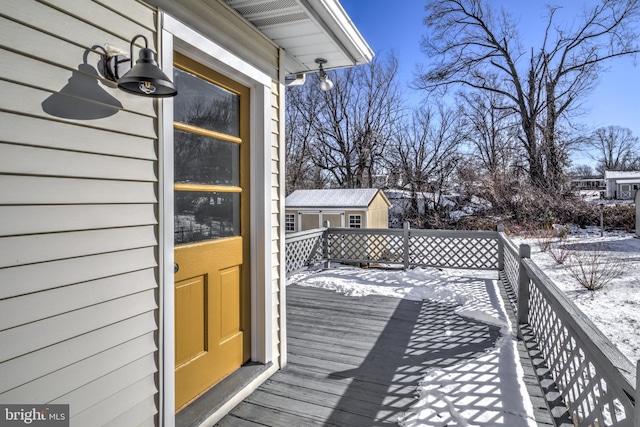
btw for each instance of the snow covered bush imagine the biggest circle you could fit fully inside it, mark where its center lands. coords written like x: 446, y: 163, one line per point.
x: 593, y: 270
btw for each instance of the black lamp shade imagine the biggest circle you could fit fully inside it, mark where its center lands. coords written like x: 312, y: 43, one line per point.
x: 146, y: 78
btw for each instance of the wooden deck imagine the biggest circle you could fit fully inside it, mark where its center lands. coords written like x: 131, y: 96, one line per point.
x: 358, y: 361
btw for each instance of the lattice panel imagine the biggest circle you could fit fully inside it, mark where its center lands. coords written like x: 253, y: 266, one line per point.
x: 382, y: 248
x: 303, y: 253
x: 589, y: 399
x: 512, y: 270
x: 436, y: 251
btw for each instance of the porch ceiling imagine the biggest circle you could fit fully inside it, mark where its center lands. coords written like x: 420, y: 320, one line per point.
x: 307, y: 29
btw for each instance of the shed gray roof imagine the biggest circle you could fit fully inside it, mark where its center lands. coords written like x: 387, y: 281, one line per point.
x: 621, y: 174
x: 331, y: 198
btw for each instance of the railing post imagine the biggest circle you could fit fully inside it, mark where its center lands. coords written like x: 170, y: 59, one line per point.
x: 405, y: 244
x: 523, y: 287
x: 325, y: 244
x: 500, y: 248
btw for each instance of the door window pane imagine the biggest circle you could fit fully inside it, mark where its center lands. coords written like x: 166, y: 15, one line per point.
x: 203, y: 160
x: 204, y: 216
x: 205, y: 105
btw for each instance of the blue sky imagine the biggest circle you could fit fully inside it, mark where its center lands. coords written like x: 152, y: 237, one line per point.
x: 396, y: 25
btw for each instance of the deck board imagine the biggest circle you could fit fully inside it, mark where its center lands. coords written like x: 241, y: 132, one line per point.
x: 357, y: 361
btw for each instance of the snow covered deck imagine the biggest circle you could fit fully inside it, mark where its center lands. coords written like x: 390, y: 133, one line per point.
x: 357, y: 356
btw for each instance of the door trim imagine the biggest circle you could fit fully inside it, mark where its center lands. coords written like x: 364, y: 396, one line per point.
x: 177, y: 36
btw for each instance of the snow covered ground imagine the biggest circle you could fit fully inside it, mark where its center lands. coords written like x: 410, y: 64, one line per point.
x: 486, y: 391
x: 614, y: 309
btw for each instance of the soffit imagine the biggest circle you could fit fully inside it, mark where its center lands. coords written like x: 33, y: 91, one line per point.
x: 307, y: 29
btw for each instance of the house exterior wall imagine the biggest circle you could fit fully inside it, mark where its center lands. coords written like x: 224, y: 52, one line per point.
x: 81, y: 253
x: 378, y: 214
x: 312, y: 219
x: 335, y: 219
x: 309, y: 221
x: 79, y: 292
x: 621, y: 184
x: 375, y: 216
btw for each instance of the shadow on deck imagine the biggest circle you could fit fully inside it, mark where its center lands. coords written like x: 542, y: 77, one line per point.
x: 358, y: 361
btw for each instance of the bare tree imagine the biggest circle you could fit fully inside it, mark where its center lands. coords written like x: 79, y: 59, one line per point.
x: 425, y: 154
x: 615, y: 148
x: 480, y: 49
x: 301, y: 172
x: 355, y: 121
x: 491, y: 131
x: 582, y: 171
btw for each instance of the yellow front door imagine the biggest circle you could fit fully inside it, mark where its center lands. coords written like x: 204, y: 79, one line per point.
x: 211, y: 228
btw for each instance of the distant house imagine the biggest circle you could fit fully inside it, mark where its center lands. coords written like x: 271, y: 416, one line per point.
x: 621, y: 184
x: 588, y: 183
x: 352, y: 208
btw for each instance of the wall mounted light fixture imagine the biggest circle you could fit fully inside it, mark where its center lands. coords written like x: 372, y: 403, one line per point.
x: 325, y: 83
x: 145, y: 78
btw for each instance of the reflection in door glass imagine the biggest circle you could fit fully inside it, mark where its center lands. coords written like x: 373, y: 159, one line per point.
x: 205, y: 216
x: 202, y: 160
x: 205, y: 105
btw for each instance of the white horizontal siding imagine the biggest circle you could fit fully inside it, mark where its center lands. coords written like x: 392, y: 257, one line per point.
x: 119, y: 403
x: 31, y: 131
x: 21, y: 370
x: 74, y: 297
x: 19, y: 250
x: 28, y: 101
x: 34, y: 336
x: 79, y: 205
x: 37, y: 43
x: 94, y: 392
x: 20, y: 159
x: 33, y: 278
x: 142, y: 414
x: 29, y: 219
x: 81, y: 378
x: 79, y: 25
x: 22, y: 190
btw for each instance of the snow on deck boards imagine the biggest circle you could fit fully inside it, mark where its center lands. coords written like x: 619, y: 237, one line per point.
x: 358, y: 361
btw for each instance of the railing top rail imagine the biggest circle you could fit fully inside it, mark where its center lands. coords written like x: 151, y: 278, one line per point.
x: 300, y: 235
x: 602, y: 352
x: 508, y: 243
x: 457, y: 234
x: 382, y: 231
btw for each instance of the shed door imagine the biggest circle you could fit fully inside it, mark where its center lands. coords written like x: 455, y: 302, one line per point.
x: 309, y: 221
x: 211, y: 228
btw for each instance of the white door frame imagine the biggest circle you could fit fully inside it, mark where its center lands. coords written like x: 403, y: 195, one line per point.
x: 176, y: 36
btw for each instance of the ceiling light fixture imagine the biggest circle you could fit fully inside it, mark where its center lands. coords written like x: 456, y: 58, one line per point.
x: 325, y: 83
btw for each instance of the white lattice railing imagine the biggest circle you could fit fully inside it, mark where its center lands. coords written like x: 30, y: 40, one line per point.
x: 304, y: 249
x: 596, y: 381
x: 415, y: 248
x: 511, y: 263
